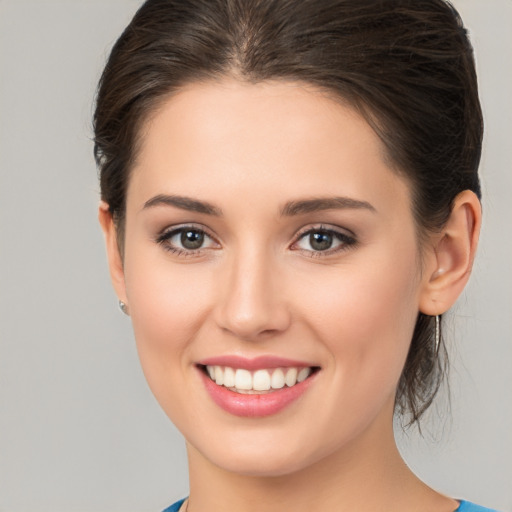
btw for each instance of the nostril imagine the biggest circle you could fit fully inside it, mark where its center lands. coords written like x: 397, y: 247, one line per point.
x: 254, y: 323
x: 249, y: 305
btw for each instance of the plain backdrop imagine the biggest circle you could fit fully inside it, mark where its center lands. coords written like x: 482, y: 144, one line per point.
x: 79, y: 429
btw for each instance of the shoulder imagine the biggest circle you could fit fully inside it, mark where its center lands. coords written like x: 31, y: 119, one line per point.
x: 175, y: 506
x: 466, y: 506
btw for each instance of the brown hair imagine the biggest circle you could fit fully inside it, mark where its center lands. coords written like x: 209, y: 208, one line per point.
x: 406, y: 65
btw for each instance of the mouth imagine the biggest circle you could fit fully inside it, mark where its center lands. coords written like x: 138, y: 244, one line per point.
x: 251, y: 388
x: 261, y: 381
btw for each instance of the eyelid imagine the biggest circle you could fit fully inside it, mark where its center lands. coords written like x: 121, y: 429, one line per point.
x: 325, y: 227
x: 168, y: 232
x: 345, y: 236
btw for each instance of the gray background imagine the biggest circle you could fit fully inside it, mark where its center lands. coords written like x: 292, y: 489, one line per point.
x: 79, y: 429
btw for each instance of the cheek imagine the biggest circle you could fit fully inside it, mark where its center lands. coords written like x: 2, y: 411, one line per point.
x: 168, y: 305
x: 365, y: 314
x: 163, y: 295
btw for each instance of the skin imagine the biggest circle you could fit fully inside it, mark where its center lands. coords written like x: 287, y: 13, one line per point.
x: 258, y: 287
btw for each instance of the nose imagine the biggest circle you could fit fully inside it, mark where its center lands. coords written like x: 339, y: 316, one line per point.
x: 253, y: 303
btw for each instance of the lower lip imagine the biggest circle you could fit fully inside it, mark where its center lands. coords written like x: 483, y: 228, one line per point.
x: 255, y: 406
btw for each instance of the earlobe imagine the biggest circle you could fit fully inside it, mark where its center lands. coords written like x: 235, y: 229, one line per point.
x: 115, y: 261
x: 454, y: 251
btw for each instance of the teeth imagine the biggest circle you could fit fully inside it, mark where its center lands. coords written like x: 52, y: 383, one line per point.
x: 261, y: 381
x: 219, y: 375
x: 303, y: 374
x: 242, y: 380
x: 277, y: 381
x: 229, y: 377
x: 291, y: 377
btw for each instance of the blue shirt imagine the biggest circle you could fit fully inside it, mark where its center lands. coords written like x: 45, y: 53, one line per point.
x: 465, y: 506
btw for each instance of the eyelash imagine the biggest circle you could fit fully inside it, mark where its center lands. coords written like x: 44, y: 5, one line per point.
x: 164, y: 238
x: 345, y: 241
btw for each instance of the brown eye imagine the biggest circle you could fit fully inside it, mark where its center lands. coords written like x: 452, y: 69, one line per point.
x: 186, y: 240
x: 192, y: 239
x: 324, y: 240
x: 320, y: 241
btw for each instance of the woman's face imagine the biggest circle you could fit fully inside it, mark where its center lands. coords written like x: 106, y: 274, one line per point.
x: 266, y: 234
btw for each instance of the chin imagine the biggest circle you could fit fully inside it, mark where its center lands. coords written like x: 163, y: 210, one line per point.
x: 263, y: 456
x: 261, y: 465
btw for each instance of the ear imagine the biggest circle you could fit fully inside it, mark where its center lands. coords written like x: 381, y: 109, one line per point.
x: 451, y: 256
x: 115, y: 261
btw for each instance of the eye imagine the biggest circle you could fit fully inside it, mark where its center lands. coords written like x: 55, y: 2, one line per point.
x: 186, y: 240
x: 191, y: 239
x: 323, y: 240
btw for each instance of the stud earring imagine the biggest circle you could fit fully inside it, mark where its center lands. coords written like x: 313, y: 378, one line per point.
x: 437, y: 333
x: 123, y: 307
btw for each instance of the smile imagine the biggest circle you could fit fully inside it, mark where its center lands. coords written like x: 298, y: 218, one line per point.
x: 260, y: 381
x: 255, y: 388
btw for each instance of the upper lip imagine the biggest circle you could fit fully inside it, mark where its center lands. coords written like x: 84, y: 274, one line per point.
x: 255, y: 363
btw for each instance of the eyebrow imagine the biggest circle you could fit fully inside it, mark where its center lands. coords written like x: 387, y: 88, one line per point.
x: 184, y: 203
x: 324, y: 203
x: 288, y: 210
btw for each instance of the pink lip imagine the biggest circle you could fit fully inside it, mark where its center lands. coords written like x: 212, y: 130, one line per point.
x: 255, y: 406
x: 256, y: 363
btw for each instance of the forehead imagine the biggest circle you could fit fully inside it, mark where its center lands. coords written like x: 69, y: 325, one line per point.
x: 265, y: 140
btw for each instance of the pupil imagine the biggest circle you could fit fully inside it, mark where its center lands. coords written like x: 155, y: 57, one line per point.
x: 192, y: 239
x: 320, y: 241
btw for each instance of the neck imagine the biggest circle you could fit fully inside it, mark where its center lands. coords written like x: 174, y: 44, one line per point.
x: 367, y: 475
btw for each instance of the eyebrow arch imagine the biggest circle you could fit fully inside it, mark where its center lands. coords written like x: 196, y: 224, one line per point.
x: 324, y: 203
x: 184, y: 203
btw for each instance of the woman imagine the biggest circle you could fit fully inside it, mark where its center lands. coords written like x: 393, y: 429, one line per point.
x: 290, y: 201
